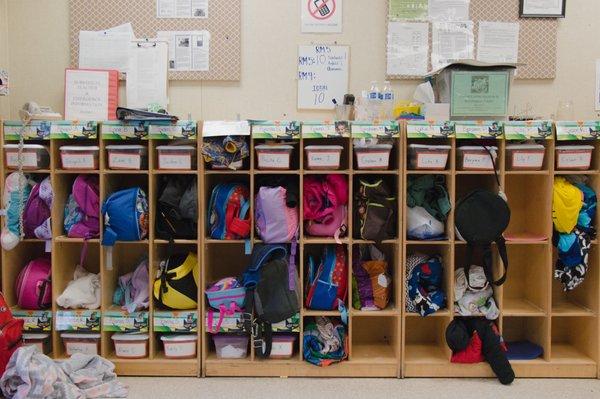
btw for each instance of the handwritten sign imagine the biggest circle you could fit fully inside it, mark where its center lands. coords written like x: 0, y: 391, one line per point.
x: 322, y: 75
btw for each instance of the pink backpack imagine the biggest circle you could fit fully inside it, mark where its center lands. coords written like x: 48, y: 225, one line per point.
x: 36, y: 214
x: 82, y: 210
x: 325, y: 205
x: 33, y: 287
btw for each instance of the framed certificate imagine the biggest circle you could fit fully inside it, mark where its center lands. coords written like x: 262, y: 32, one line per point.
x: 542, y: 8
x: 479, y: 94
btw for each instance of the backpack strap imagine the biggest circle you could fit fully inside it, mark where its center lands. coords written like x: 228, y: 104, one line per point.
x: 42, y: 288
x: 501, y: 244
x: 240, y: 226
x: 488, y: 263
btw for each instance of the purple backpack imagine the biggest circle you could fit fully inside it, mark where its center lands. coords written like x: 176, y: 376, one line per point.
x: 33, y: 286
x: 275, y: 222
x: 36, y: 214
x: 82, y: 210
x: 132, y: 292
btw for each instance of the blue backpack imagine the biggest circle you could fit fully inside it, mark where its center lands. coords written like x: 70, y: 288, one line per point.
x: 228, y: 212
x: 125, y: 216
x: 328, y: 282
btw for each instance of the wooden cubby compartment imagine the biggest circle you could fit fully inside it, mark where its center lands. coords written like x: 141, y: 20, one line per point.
x: 532, y: 329
x: 526, y: 290
x: 392, y: 257
x: 375, y: 339
x: 575, y: 342
x: 527, y: 198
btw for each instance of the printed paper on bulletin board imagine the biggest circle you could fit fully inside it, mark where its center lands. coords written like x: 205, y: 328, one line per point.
x: 224, y: 24
x: 537, y: 38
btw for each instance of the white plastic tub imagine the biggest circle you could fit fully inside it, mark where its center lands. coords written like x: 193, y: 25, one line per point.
x: 476, y: 157
x: 323, y: 157
x: 88, y: 344
x: 430, y: 157
x: 373, y: 156
x: 34, y: 156
x: 575, y: 157
x: 79, y: 157
x: 176, y: 157
x: 525, y: 156
x: 231, y: 346
x: 42, y: 341
x: 127, y: 157
x: 283, y: 346
x: 180, y: 346
x: 131, y: 346
x: 274, y: 156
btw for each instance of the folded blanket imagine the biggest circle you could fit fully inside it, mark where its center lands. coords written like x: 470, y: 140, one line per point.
x: 325, y: 342
x: 31, y: 374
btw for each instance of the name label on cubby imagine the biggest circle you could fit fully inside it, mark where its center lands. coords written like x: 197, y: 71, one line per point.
x: 35, y: 320
x: 325, y: 129
x: 122, y: 160
x: 78, y: 320
x: 121, y: 131
x: 523, y: 130
x: 478, y: 130
x: 77, y: 161
x: 121, y: 321
x: 29, y: 159
x: 45, y: 130
x: 429, y: 129
x: 234, y: 324
x: 527, y: 159
x: 225, y: 128
x: 477, y: 161
x: 575, y: 159
x: 580, y: 130
x: 275, y: 129
x: 181, y: 130
x: 380, y: 130
x: 165, y: 321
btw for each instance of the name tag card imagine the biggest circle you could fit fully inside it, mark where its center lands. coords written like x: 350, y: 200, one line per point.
x: 121, y: 131
x: 389, y: 129
x: 577, y: 130
x: 180, y: 130
x: 78, y: 320
x: 165, y: 321
x: 121, y: 321
x: 525, y: 130
x: 275, y: 129
x: 325, y: 129
x: 429, y: 129
x: 478, y: 130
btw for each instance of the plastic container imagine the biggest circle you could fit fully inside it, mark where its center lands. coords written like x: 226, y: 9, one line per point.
x: 323, y: 157
x: 180, y: 346
x: 34, y: 156
x: 575, y: 157
x: 283, y: 346
x: 127, y: 157
x: 430, y: 157
x: 42, y: 341
x: 131, y: 346
x: 79, y: 157
x: 88, y: 344
x: 374, y: 156
x: 525, y: 156
x: 231, y: 346
x: 274, y: 156
x: 176, y: 157
x: 476, y: 157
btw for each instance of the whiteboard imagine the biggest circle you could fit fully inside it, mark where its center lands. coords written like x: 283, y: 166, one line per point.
x: 322, y: 75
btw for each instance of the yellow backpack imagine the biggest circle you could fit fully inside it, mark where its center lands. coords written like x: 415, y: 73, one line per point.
x: 177, y: 284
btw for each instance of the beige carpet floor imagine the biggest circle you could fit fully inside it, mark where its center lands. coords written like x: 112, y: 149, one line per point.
x: 293, y: 388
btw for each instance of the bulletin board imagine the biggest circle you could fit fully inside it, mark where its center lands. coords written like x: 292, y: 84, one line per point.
x: 537, y: 38
x: 224, y: 24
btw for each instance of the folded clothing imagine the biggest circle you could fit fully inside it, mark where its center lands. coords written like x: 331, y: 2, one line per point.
x: 325, y: 341
x: 83, y: 292
x: 425, y: 286
x: 474, y: 297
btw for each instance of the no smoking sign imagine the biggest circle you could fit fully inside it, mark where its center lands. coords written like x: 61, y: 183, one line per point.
x: 321, y: 16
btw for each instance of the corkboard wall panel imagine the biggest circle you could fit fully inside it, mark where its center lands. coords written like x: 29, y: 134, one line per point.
x: 537, y: 37
x: 224, y: 24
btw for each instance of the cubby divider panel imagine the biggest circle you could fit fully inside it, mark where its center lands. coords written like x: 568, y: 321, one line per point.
x: 526, y: 290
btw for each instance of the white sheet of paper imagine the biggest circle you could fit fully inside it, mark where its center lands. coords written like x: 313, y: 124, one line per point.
x: 449, y: 10
x: 108, y: 49
x: 147, y: 78
x: 188, y: 50
x: 182, y: 8
x: 451, y: 41
x: 598, y: 85
x: 408, y: 48
x: 321, y: 16
x: 542, y: 7
x: 322, y: 75
x: 498, y: 42
x: 86, y: 95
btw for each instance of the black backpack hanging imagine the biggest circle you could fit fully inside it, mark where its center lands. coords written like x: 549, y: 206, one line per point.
x: 177, y: 208
x: 375, y: 210
x: 480, y: 218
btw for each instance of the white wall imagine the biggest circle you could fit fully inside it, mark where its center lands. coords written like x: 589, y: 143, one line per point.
x: 4, y: 101
x: 39, y: 53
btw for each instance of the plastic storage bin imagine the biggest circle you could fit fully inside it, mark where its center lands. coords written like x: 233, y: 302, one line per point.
x: 88, y: 344
x: 323, y: 157
x: 79, y: 157
x: 176, y: 157
x: 576, y: 157
x: 42, y: 341
x: 283, y: 346
x: 34, y: 156
x: 274, y: 156
x: 525, y: 156
x: 127, y: 157
x: 180, y: 346
x: 477, y: 157
x: 430, y: 157
x: 231, y: 346
x: 131, y: 346
x: 374, y: 156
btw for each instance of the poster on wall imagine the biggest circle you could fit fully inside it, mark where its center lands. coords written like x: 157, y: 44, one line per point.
x: 3, y: 83
x: 188, y: 50
x: 91, y: 95
x: 322, y: 75
x: 321, y: 16
x: 408, y: 48
x: 182, y: 9
x: 408, y: 9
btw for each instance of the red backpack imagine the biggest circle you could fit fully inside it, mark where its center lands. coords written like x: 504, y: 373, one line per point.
x: 11, y: 331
